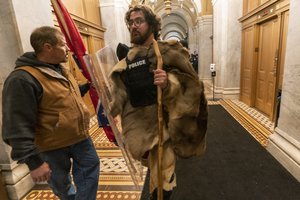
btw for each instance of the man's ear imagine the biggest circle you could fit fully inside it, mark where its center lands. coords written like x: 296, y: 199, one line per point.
x: 47, y: 47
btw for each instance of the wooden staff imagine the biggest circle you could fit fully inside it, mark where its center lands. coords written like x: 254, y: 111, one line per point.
x: 160, y: 126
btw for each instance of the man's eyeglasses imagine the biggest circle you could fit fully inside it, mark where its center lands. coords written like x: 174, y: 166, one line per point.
x: 137, y: 22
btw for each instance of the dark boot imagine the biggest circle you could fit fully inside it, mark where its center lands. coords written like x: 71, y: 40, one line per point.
x: 166, y: 195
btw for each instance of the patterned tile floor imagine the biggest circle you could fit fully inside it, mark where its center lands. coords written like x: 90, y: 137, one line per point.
x: 264, y: 120
x: 109, y: 195
x: 115, y: 181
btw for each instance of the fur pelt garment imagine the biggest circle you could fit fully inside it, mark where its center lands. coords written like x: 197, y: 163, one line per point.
x: 184, y: 104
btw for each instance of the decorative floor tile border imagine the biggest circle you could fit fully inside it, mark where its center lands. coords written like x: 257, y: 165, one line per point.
x: 100, y: 140
x: 258, y: 116
x: 118, y: 179
x: 213, y: 102
x: 114, y: 171
x: 101, y: 195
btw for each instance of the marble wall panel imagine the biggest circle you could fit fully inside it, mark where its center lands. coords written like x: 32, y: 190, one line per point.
x: 30, y: 15
x: 289, y: 119
x: 9, y: 44
x: 205, y: 24
x: 227, y: 47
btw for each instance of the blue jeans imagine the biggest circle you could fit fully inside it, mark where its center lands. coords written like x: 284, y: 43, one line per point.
x: 85, y: 170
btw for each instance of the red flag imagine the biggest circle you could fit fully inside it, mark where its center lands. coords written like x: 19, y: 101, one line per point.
x: 76, y: 46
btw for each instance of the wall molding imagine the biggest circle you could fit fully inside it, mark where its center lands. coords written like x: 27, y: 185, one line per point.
x: 286, y: 150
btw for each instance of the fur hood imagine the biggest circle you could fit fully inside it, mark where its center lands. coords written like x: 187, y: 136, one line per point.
x: 184, y: 104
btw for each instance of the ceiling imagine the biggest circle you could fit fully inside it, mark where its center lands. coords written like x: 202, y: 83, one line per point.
x: 182, y: 18
x: 179, y: 22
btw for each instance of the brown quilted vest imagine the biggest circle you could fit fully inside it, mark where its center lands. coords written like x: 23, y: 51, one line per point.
x: 63, y: 118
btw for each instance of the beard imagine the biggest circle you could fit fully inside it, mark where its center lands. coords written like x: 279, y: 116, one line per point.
x: 138, y: 37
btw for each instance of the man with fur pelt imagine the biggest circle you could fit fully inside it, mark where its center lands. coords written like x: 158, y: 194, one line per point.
x: 134, y: 93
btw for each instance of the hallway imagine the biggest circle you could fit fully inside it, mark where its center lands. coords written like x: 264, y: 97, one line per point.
x: 252, y: 44
x: 115, y: 181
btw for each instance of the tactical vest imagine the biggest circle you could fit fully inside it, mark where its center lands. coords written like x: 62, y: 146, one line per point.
x: 139, y: 82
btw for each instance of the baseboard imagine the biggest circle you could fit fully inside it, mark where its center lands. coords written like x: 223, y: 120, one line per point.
x: 286, y: 150
x: 227, y: 93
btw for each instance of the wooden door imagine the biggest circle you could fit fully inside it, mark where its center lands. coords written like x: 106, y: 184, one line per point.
x: 97, y: 43
x: 93, y: 11
x: 267, y: 66
x: 247, y: 64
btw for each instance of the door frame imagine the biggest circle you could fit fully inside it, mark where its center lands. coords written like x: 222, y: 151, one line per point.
x: 255, y: 71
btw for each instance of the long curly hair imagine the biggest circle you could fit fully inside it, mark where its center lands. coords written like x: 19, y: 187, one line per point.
x: 151, y: 18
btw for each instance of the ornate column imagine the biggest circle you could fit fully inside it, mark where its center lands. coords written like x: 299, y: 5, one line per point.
x: 227, y: 47
x: 284, y: 144
x: 205, y: 31
x: 112, y: 15
x: 17, y: 20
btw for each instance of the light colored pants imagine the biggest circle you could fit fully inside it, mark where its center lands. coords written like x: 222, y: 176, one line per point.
x: 168, y: 167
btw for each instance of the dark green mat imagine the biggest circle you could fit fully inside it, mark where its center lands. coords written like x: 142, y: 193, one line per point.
x: 235, y: 167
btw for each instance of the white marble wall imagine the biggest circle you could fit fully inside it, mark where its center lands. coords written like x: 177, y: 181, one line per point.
x: 227, y: 47
x: 9, y: 51
x: 9, y: 39
x: 112, y: 15
x: 192, y: 39
x: 284, y: 144
x: 205, y: 27
x: 17, y: 20
x: 289, y: 120
x: 28, y: 16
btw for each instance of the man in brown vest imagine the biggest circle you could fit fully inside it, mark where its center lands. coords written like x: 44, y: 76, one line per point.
x: 46, y: 122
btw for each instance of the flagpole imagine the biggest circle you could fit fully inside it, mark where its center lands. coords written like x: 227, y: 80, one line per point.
x: 160, y: 126
x: 77, y: 47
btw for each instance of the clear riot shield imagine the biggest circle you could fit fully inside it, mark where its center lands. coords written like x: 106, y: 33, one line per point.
x: 99, y: 67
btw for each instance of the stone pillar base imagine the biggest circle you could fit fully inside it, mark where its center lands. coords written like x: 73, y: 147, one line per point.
x: 227, y: 93
x: 18, y: 181
x: 21, y: 188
